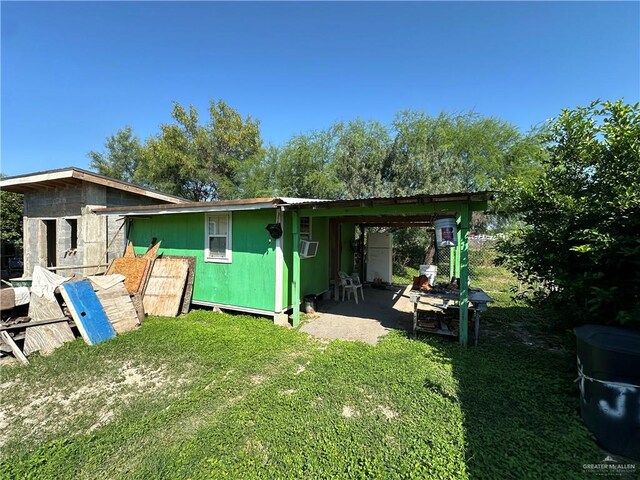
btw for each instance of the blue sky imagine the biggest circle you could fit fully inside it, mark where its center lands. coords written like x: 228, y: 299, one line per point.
x: 73, y: 73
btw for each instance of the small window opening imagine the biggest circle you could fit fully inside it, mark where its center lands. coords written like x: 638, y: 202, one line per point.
x: 73, y: 234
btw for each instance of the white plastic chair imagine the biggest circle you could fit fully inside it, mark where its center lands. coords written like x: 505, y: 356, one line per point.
x: 357, y: 284
x: 348, y: 287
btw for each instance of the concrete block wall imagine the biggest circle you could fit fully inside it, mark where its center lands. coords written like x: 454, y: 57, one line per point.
x: 66, y: 255
x: 120, y: 198
x: 54, y: 204
x: 116, y: 236
x: 95, y: 232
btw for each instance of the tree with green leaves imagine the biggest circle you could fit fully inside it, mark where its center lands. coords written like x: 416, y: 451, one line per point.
x: 196, y: 161
x: 302, y: 167
x: 121, y: 157
x: 202, y: 162
x: 450, y: 153
x: 11, y: 207
x: 361, y: 150
x: 581, y: 235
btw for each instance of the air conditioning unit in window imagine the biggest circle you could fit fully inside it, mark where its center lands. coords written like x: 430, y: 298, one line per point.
x: 308, y: 249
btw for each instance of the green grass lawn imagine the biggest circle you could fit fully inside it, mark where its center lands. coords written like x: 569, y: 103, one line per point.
x: 217, y: 396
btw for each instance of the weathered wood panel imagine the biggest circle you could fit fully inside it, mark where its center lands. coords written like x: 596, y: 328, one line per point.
x: 41, y: 308
x: 118, y: 307
x: 46, y: 338
x: 14, y: 348
x: 136, y: 299
x: 151, y: 255
x: 165, y: 289
x: 7, y: 299
x: 188, y: 289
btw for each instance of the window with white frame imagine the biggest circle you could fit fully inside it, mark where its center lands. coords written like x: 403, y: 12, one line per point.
x: 218, y: 238
x: 305, y: 228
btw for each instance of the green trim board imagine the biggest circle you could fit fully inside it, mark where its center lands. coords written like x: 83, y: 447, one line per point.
x: 463, y: 242
x: 295, y: 278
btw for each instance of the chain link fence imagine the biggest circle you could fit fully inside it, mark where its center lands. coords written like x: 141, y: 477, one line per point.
x: 482, y: 253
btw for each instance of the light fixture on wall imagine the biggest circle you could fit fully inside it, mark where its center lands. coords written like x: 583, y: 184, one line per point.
x: 275, y: 230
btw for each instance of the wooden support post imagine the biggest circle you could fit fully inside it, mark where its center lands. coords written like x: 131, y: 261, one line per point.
x: 295, y: 287
x: 463, y: 244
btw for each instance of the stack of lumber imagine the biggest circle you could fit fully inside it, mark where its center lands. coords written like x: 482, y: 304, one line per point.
x: 96, y: 307
x: 441, y: 319
x: 452, y: 321
x: 429, y: 319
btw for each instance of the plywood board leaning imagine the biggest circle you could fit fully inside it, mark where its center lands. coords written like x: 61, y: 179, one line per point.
x: 188, y: 289
x: 165, y: 289
x: 46, y: 338
x: 152, y: 252
x: 136, y: 299
x: 14, y: 348
x: 118, y: 307
x: 129, y: 253
x: 42, y: 308
x: 87, y: 312
x: 134, y: 269
x: 150, y: 255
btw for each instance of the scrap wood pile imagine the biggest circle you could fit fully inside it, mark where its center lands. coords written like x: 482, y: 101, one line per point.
x: 444, y: 320
x: 440, y: 318
x: 55, y: 309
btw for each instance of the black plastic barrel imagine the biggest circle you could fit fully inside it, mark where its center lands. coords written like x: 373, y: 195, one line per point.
x: 609, y: 380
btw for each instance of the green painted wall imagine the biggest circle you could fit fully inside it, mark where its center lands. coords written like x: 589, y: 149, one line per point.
x: 248, y: 281
x: 314, y: 272
x: 348, y: 234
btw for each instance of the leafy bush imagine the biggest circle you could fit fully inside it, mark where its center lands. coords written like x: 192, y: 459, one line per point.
x: 580, y: 242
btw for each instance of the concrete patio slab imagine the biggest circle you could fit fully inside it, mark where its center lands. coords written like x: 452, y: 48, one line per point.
x: 382, y: 311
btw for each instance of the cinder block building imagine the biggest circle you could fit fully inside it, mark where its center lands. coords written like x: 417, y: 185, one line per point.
x: 60, y: 229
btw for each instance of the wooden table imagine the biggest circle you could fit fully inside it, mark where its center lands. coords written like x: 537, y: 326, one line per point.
x: 445, y: 299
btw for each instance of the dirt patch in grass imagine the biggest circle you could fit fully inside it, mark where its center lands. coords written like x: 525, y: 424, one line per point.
x: 349, y: 412
x: 387, y: 412
x: 37, y: 413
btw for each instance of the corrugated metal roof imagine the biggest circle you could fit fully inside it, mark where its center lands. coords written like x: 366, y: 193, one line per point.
x: 399, y: 200
x: 294, y: 200
x: 288, y: 203
x: 193, y: 207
